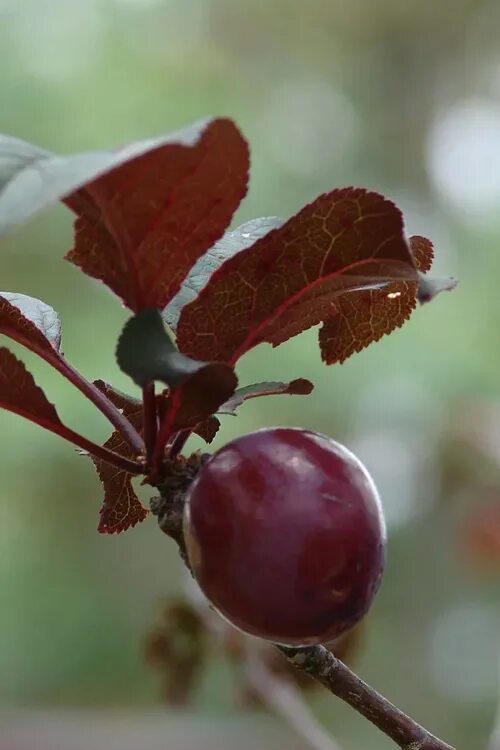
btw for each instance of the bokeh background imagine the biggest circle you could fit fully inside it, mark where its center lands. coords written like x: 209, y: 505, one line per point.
x: 401, y: 97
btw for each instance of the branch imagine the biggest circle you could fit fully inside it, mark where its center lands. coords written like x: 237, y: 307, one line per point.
x: 324, y: 667
x: 317, y: 661
x: 283, y: 697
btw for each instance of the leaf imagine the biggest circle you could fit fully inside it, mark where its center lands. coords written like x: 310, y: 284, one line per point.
x: 30, y: 322
x: 20, y: 394
x: 145, y: 353
x: 208, y: 429
x: 293, y: 277
x: 430, y: 288
x: 423, y: 252
x: 228, y: 246
x: 193, y: 403
x: 142, y: 226
x: 32, y: 179
x: 121, y: 509
x: 300, y: 386
x: 366, y: 316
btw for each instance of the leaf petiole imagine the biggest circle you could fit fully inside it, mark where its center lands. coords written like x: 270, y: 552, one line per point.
x: 99, y: 399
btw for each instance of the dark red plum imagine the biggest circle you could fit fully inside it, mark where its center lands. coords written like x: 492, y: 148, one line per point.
x: 286, y: 536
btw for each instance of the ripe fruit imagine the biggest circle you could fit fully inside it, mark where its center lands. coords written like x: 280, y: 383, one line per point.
x: 286, y: 536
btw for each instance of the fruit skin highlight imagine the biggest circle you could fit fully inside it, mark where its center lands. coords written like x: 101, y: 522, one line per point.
x: 286, y: 536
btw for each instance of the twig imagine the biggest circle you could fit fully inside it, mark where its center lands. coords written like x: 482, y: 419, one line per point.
x: 286, y: 701
x: 321, y: 664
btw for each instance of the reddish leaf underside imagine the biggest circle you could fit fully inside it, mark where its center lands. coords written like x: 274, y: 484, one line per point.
x: 144, y: 224
x: 291, y: 279
x: 121, y: 509
x: 20, y: 394
x: 364, y: 317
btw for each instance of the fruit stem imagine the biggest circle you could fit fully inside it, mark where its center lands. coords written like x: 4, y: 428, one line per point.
x: 323, y: 666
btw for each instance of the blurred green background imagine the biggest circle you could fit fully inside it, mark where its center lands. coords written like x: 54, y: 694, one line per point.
x: 401, y: 97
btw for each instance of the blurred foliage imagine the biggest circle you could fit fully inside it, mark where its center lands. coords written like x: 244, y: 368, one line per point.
x: 399, y: 97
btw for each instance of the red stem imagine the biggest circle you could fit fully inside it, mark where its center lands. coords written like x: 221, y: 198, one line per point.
x: 58, y: 428
x: 150, y: 419
x: 100, y: 451
x: 179, y: 442
x: 167, y: 427
x: 102, y: 402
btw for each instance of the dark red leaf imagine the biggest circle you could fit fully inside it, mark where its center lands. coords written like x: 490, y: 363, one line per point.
x: 364, y: 317
x: 20, y: 394
x: 144, y: 224
x: 196, y: 400
x: 428, y: 288
x: 423, y: 252
x: 229, y: 245
x: 298, y: 387
x: 208, y: 429
x: 293, y: 277
x: 31, y: 178
x: 30, y: 322
x: 121, y: 509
